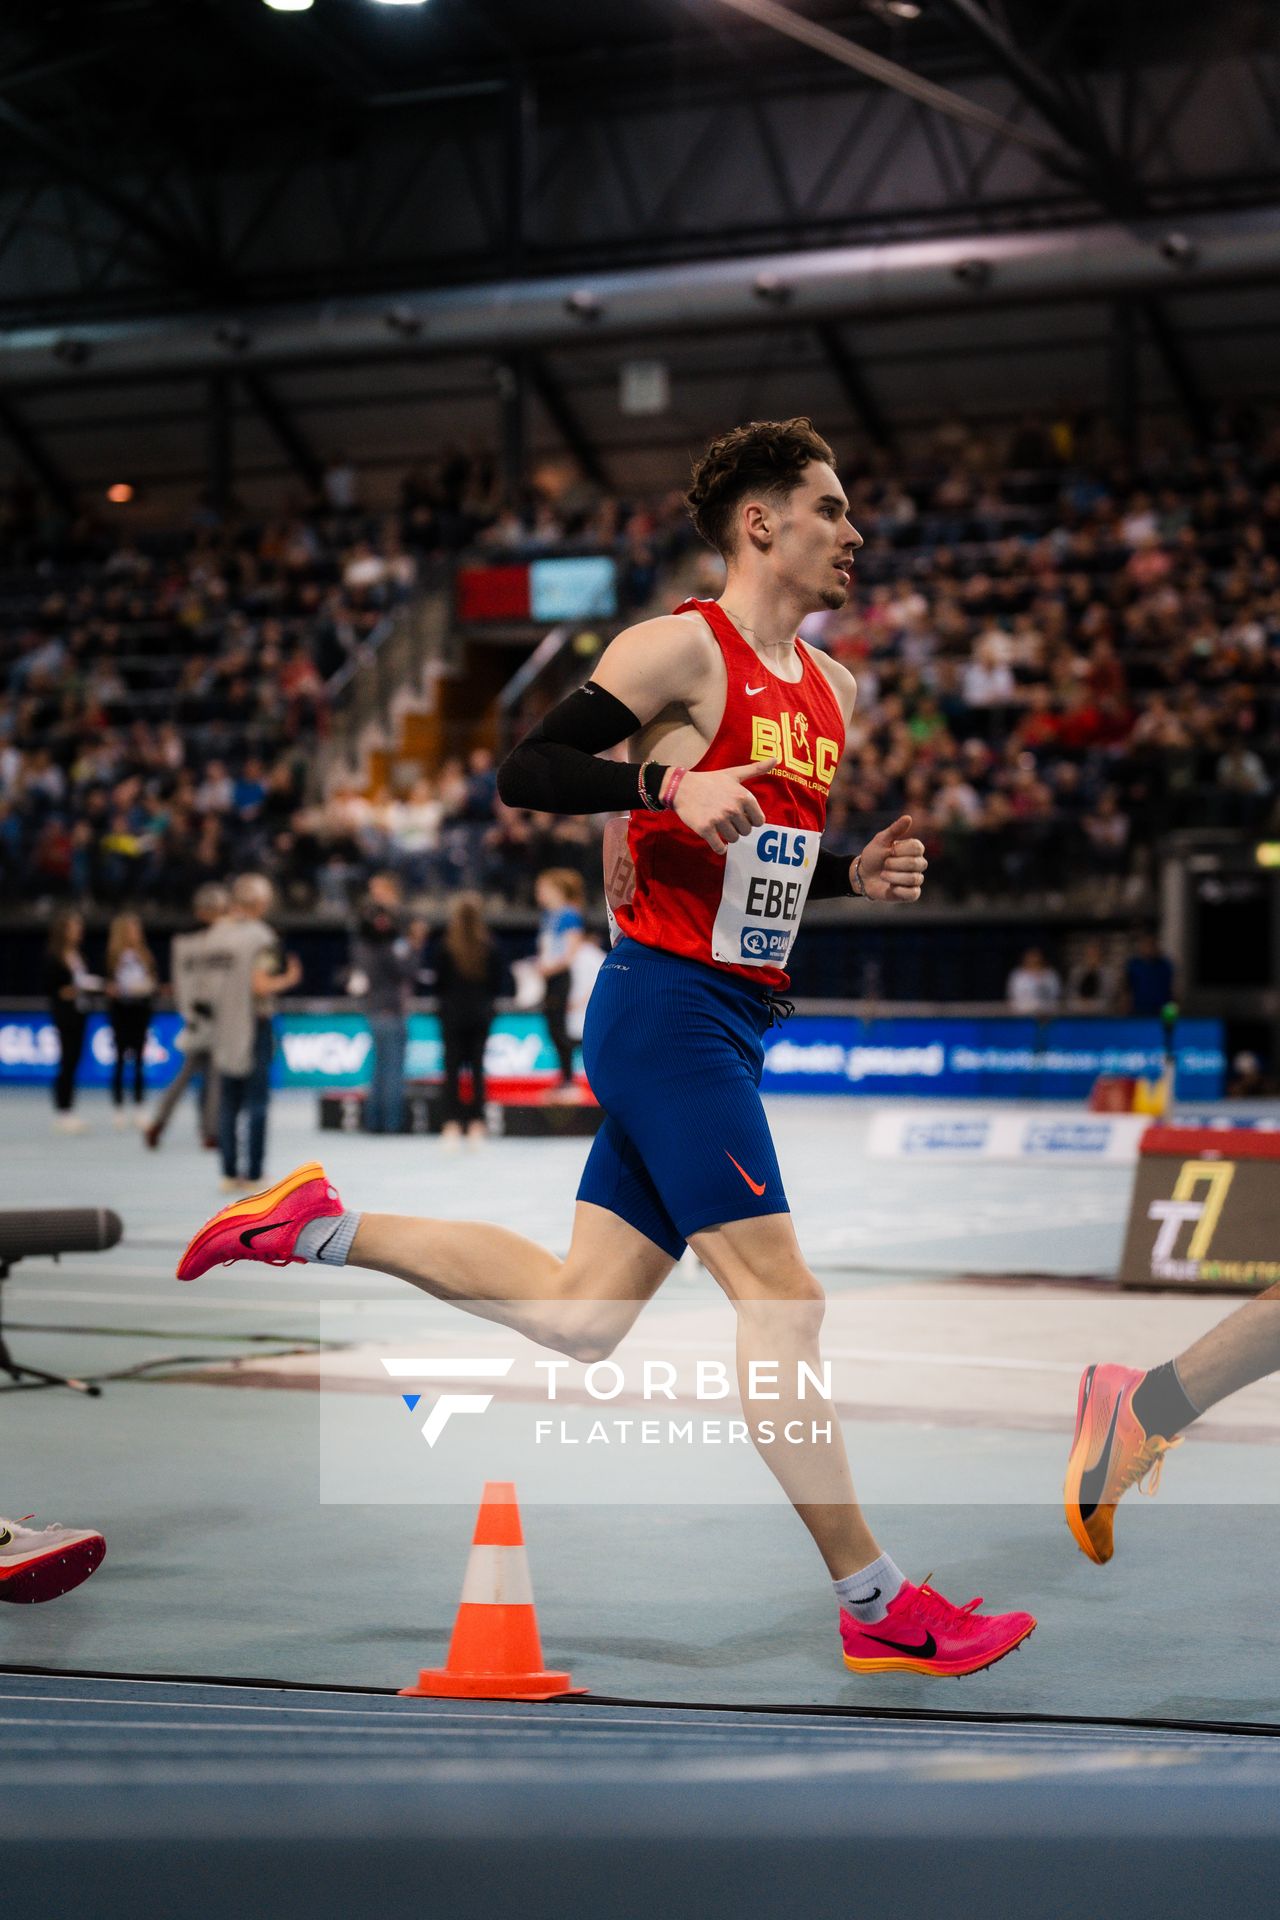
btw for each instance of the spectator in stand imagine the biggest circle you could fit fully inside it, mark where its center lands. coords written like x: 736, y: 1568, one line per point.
x: 251, y: 971
x: 384, y: 967
x: 194, y: 994
x: 1107, y: 830
x: 132, y: 981
x: 341, y: 487
x: 1091, y: 984
x: 561, y: 895
x: 1149, y: 980
x: 469, y: 975
x: 1034, y: 986
x: 69, y: 985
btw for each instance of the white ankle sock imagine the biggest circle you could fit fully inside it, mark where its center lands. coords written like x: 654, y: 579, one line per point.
x: 327, y: 1241
x: 866, y: 1594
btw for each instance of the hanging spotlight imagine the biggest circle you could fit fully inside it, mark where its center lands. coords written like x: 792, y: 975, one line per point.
x: 233, y: 335
x: 583, y: 305
x: 773, y: 290
x: 288, y: 6
x: 1179, y: 251
x: 404, y: 321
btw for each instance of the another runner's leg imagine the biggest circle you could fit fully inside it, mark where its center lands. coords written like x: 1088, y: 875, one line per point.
x: 1239, y: 1350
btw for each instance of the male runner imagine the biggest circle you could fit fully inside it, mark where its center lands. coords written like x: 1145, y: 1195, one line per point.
x: 734, y: 728
x: 1127, y: 1420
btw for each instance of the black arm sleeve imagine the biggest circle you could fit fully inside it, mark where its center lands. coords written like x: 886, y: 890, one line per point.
x: 831, y: 877
x: 554, y: 768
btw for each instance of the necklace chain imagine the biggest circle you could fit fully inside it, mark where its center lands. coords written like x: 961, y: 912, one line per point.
x: 754, y: 635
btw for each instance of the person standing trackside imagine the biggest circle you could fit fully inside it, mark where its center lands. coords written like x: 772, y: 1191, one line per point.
x: 131, y: 994
x: 68, y: 983
x: 249, y: 969
x: 560, y: 893
x: 383, y: 969
x: 193, y: 996
x: 470, y: 974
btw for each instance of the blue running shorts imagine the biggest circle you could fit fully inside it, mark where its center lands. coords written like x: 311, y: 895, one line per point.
x: 674, y: 1051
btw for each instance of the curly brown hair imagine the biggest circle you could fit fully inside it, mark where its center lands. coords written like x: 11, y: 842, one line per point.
x: 765, y: 456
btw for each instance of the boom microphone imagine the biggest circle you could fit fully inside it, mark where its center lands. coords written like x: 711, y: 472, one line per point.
x: 29, y: 1232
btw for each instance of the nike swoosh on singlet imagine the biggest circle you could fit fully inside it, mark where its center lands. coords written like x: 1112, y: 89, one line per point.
x: 250, y: 1234
x: 746, y: 1176
x: 1093, y: 1482
x: 757, y: 689
x: 926, y: 1649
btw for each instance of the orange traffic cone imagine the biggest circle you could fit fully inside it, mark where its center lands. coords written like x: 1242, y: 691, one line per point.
x: 495, y: 1652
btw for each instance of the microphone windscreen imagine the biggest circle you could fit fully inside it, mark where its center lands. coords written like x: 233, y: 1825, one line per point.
x: 28, y: 1231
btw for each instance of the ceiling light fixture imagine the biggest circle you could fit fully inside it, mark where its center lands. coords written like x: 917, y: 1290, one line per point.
x: 583, y: 305
x: 288, y: 6
x: 772, y: 289
x: 120, y: 493
x: 1179, y: 250
x: 404, y: 321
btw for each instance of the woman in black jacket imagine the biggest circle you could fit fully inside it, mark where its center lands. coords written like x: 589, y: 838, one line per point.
x: 470, y: 975
x: 68, y: 984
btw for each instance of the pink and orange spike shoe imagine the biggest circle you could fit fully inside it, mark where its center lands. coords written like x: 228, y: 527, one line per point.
x: 925, y: 1633
x: 263, y: 1226
x: 1111, y: 1450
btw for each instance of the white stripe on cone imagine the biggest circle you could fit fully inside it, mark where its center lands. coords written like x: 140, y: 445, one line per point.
x: 498, y: 1577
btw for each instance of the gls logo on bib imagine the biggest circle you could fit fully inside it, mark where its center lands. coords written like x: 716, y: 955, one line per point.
x: 766, y: 882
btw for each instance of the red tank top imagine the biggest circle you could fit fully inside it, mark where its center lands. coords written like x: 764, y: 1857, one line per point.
x: 739, y: 911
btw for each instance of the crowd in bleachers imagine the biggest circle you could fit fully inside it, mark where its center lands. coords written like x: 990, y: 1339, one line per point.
x: 160, y: 698
x: 1056, y: 665
x: 1057, y: 661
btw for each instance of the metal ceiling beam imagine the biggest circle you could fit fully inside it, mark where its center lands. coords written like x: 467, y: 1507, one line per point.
x: 184, y: 262
x: 888, y: 72
x: 841, y: 284
x: 564, y: 419
x: 853, y: 384
x: 301, y: 454
x: 1112, y: 182
x: 18, y: 431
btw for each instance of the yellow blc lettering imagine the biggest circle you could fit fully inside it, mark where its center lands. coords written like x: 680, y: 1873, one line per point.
x: 766, y: 738
x: 828, y: 760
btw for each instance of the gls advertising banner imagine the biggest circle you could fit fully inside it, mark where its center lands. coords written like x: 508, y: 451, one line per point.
x: 312, y: 1050
x: 986, y: 1059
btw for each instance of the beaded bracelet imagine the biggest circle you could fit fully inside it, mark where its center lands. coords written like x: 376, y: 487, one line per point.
x: 654, y: 806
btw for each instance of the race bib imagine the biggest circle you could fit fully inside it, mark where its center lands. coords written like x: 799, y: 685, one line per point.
x: 766, y: 883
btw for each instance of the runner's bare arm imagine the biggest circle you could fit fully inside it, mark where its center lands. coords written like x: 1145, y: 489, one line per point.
x: 654, y: 665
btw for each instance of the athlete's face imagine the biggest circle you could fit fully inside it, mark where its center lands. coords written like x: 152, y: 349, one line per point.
x: 813, y: 540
